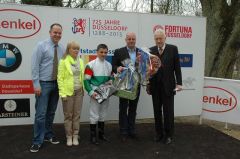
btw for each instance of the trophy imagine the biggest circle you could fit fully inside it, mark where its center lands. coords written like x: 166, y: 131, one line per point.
x: 104, y: 91
x: 148, y: 65
x: 127, y: 81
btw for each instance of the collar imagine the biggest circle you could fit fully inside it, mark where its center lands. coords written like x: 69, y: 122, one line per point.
x: 71, y: 59
x: 164, y: 46
x: 131, y: 50
x: 98, y: 59
x: 52, y: 43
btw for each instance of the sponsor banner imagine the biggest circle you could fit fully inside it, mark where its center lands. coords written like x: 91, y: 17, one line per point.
x: 10, y: 57
x: 14, y: 108
x: 186, y: 60
x: 221, y: 99
x: 175, y: 31
x: 23, y: 26
x: 16, y: 87
x: 18, y: 23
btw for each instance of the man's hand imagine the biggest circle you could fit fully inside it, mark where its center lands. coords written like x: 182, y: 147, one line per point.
x: 37, y: 91
x: 148, y: 89
x: 178, y: 88
x: 94, y: 95
x: 120, y: 69
x: 109, y: 82
x: 138, y: 59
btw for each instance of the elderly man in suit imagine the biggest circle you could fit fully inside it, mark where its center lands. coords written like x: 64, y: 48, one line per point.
x: 127, y: 108
x: 163, y: 86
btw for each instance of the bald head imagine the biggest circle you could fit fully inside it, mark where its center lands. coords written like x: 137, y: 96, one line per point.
x: 160, y: 37
x: 130, y: 40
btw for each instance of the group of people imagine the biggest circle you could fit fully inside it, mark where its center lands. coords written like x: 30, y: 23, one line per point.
x: 57, y: 71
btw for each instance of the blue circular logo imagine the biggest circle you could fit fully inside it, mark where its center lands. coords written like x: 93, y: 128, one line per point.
x: 10, y: 57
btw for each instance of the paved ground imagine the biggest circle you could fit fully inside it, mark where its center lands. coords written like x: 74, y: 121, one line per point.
x: 191, y: 141
x: 229, y: 129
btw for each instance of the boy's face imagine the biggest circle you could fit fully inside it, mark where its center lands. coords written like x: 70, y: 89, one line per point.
x: 102, y: 53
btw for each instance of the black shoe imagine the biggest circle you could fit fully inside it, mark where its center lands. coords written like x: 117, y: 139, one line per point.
x: 101, y: 133
x: 52, y: 140
x: 158, y: 138
x: 93, y: 134
x: 35, y: 148
x: 94, y: 140
x: 168, y: 140
x: 133, y: 136
x: 103, y: 137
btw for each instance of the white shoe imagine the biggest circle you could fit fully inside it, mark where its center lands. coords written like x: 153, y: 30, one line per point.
x: 69, y: 141
x: 75, y: 140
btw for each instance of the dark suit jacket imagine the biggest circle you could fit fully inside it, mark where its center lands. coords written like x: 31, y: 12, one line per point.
x: 120, y: 55
x: 170, y: 72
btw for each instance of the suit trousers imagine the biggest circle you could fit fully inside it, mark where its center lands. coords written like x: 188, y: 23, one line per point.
x: 72, y: 106
x: 163, y: 106
x: 127, y: 114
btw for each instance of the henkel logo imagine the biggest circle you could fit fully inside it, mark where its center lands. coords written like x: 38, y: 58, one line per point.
x: 218, y: 100
x: 18, y: 24
x: 79, y: 25
x: 175, y: 31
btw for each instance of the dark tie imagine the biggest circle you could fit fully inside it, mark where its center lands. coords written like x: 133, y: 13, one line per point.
x: 160, y: 51
x: 55, y: 64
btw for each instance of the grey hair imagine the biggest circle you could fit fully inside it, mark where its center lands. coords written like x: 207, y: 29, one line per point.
x: 159, y: 31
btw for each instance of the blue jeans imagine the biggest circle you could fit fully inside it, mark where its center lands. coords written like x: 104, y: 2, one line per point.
x: 46, y: 105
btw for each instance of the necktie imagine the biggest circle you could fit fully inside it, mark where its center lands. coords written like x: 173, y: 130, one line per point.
x: 160, y: 50
x: 55, y: 64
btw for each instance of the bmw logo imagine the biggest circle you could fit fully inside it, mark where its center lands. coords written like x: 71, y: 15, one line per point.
x: 10, y: 57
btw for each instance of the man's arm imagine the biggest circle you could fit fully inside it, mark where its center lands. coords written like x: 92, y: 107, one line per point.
x: 115, y: 61
x: 36, y: 59
x: 88, y: 74
x: 177, y: 68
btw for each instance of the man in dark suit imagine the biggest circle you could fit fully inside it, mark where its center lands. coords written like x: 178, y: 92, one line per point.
x: 163, y: 86
x: 127, y: 108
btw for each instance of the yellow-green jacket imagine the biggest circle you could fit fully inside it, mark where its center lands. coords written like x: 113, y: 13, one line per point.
x: 65, y: 76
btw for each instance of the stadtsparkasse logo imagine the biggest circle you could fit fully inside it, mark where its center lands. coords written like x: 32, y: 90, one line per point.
x: 218, y: 100
x: 18, y: 24
x: 175, y: 31
x: 79, y: 25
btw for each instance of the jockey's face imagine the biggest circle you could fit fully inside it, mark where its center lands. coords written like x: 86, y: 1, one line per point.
x: 102, y: 53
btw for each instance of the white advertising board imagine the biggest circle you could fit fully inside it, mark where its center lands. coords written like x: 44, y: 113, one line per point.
x: 221, y: 99
x: 23, y: 26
